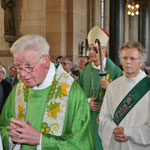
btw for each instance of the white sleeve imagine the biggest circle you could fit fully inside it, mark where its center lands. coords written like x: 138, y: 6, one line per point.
x: 106, y: 124
x: 139, y: 135
x: 39, y: 147
x: 1, y: 146
x: 11, y: 145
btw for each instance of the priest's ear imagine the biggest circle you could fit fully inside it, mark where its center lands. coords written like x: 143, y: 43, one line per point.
x: 46, y: 60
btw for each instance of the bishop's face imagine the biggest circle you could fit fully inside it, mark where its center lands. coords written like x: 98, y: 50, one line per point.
x: 94, y: 53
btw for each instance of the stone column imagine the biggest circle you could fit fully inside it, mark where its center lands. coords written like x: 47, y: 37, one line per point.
x: 55, y: 18
x: 93, y: 13
x: 144, y: 31
x: 106, y: 14
x: 89, y: 15
x: 116, y: 28
x: 66, y: 27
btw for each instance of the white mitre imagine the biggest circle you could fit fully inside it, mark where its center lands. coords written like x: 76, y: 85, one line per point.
x: 98, y: 33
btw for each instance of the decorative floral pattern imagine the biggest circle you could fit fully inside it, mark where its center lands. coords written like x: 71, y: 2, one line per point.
x: 54, y: 127
x: 53, y: 109
x: 56, y: 103
x: 64, y: 87
x: 20, y: 112
x: 56, y: 106
x: 26, y: 90
x: 45, y: 129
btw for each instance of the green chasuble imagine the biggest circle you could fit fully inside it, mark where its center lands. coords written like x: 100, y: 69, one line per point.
x: 89, y: 80
x: 77, y: 133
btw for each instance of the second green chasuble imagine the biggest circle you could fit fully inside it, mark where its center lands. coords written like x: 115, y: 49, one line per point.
x: 89, y: 80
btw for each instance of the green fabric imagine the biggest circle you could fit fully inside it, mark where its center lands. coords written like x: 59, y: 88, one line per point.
x: 84, y: 80
x: 57, y: 65
x: 131, y: 99
x: 77, y: 130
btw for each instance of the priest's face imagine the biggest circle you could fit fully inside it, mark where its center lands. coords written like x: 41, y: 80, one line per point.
x: 94, y: 53
x: 131, y: 62
x: 32, y: 67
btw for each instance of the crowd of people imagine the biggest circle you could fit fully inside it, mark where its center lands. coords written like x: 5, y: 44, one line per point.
x: 54, y: 105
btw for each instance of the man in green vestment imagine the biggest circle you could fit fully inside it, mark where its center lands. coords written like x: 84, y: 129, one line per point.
x: 90, y: 81
x: 46, y: 108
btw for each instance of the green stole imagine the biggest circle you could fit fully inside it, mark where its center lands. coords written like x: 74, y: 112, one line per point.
x: 129, y: 101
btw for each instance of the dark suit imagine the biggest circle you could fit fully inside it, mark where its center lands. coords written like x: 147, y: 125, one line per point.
x: 6, y: 88
x: 13, y: 81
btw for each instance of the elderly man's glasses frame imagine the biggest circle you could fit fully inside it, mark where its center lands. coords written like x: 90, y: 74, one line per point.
x: 27, y: 67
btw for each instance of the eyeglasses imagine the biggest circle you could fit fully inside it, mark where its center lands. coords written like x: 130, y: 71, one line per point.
x: 130, y: 58
x: 64, y: 63
x: 27, y: 67
x: 96, y: 49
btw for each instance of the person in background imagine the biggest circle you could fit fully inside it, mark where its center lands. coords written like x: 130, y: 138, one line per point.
x: 82, y: 61
x: 90, y: 81
x: 144, y: 67
x: 124, y: 117
x: 5, y: 87
x: 12, y: 79
x: 46, y: 109
x: 67, y: 64
x: 58, y: 59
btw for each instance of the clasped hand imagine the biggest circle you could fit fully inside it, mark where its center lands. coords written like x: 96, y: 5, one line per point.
x: 23, y: 133
x: 94, y: 106
x: 119, y: 134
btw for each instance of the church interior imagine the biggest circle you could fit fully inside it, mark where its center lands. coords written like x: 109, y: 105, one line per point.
x: 66, y: 23
x: 74, y: 74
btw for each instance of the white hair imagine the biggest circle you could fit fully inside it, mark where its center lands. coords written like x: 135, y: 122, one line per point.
x: 4, y: 71
x: 36, y: 42
x: 133, y: 44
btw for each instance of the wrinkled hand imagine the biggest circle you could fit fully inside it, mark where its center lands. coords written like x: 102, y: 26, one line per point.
x: 119, y: 134
x: 22, y: 132
x: 104, y: 83
x: 94, y: 106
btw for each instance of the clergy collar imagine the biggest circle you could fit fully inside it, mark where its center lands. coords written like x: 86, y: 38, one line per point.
x: 48, y: 79
x: 139, y: 76
x: 99, y: 67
